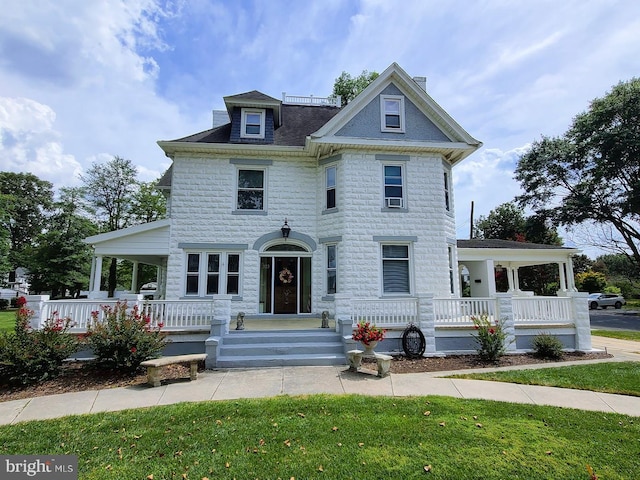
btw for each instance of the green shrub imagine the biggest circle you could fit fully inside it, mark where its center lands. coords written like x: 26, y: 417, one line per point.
x: 30, y: 356
x: 547, y: 346
x: 490, y: 338
x: 4, y: 304
x: 123, y: 339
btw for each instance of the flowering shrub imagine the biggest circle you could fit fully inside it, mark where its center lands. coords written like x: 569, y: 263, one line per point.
x: 490, y: 338
x: 29, y: 356
x: 366, y: 333
x: 123, y: 339
x: 21, y: 302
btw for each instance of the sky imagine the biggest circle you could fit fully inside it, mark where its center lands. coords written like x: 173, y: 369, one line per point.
x: 82, y: 81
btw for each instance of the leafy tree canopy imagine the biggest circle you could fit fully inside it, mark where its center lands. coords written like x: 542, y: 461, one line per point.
x: 26, y: 202
x: 349, y: 87
x: 508, y: 222
x: 591, y: 174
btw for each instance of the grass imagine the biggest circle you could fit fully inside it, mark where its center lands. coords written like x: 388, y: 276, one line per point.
x: 7, y: 320
x: 620, y: 334
x: 608, y: 377
x: 338, y: 437
x: 633, y: 304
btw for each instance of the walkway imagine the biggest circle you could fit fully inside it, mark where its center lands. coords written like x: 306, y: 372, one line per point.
x: 269, y: 382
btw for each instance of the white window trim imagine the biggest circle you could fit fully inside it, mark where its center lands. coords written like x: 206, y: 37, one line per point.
x: 327, y: 188
x: 223, y: 272
x: 403, y: 202
x: 237, y: 189
x: 243, y: 125
x: 447, y: 191
x: 327, y: 269
x: 409, y: 246
x: 383, y: 120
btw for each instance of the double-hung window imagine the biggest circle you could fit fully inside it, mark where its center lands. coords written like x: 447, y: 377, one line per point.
x: 395, y: 269
x: 393, y: 186
x: 392, y: 113
x: 252, y: 125
x: 447, y: 203
x: 211, y: 273
x: 251, y: 190
x: 332, y: 264
x: 330, y: 173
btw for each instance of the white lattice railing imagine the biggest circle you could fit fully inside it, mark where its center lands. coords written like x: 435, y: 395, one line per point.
x: 458, y: 311
x: 385, y: 312
x: 178, y: 314
x: 311, y: 100
x: 541, y: 310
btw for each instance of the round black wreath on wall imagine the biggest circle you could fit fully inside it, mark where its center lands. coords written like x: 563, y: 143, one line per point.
x: 413, y: 342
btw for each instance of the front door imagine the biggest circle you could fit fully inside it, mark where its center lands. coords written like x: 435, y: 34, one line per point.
x: 285, y: 285
x: 285, y: 282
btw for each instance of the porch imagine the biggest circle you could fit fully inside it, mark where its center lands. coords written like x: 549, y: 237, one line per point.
x: 197, y: 326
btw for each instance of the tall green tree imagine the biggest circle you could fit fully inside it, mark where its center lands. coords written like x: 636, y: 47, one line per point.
x: 109, y: 190
x: 591, y: 174
x: 5, y: 242
x: 59, y: 261
x: 26, y: 204
x: 149, y: 204
x: 349, y: 87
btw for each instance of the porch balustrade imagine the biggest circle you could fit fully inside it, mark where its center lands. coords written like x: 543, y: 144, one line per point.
x: 173, y: 314
x: 542, y: 310
x: 385, y: 312
x: 458, y: 311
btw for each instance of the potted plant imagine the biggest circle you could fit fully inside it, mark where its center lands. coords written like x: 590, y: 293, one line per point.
x: 369, y: 335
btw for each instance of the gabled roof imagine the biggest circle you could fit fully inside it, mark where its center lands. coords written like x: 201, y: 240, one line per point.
x: 313, y: 130
x: 461, y: 145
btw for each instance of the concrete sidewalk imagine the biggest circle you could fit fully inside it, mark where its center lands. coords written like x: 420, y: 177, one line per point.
x: 269, y: 382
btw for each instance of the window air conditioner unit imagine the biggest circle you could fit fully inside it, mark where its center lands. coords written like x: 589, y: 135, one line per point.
x: 393, y: 202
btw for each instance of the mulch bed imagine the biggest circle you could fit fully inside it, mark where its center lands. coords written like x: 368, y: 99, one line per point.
x: 81, y: 376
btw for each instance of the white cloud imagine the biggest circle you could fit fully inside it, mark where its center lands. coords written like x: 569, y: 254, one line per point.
x: 30, y: 143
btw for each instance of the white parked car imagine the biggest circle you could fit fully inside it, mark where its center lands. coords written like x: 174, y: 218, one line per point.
x: 605, y: 300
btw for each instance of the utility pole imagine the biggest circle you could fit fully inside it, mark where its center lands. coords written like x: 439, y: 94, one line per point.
x: 471, y: 223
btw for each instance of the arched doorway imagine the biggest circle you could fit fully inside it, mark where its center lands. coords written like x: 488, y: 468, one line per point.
x: 285, y: 279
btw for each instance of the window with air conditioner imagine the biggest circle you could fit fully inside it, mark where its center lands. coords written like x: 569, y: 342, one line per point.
x: 393, y: 186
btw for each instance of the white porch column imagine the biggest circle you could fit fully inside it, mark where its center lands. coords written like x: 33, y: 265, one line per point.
x: 510, y: 277
x: 516, y: 279
x: 563, y: 277
x: 571, y: 281
x: 93, y: 270
x: 134, y: 278
x: 97, y: 275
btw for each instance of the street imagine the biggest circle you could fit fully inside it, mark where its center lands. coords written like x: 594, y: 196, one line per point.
x: 615, y: 319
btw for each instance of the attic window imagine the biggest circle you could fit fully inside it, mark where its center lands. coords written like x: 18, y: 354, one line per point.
x: 252, y: 123
x: 392, y: 113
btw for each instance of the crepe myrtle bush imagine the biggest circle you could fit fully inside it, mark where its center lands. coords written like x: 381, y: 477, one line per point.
x: 490, y: 338
x: 121, y: 338
x: 29, y: 356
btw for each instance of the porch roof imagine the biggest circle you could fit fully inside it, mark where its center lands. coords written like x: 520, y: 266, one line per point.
x: 146, y: 243
x: 515, y: 253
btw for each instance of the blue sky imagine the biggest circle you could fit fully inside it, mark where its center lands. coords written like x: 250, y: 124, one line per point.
x: 82, y: 81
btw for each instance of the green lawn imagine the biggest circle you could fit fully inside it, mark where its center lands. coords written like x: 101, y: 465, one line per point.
x: 620, y: 334
x: 609, y: 377
x: 339, y: 437
x: 7, y: 320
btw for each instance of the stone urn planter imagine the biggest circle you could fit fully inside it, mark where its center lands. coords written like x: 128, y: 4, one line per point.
x: 369, y: 348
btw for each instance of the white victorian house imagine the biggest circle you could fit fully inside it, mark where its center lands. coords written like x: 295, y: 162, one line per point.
x: 288, y: 208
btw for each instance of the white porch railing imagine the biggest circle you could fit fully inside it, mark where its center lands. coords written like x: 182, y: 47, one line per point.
x: 551, y: 310
x: 173, y: 314
x: 458, y: 311
x: 385, y: 312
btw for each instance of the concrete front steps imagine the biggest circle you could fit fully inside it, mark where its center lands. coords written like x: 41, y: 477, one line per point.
x: 276, y: 348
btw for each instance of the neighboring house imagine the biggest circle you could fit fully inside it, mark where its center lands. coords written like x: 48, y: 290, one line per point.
x: 295, y: 207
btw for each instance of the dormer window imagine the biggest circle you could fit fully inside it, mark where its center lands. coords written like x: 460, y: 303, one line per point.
x: 392, y: 113
x: 252, y: 123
